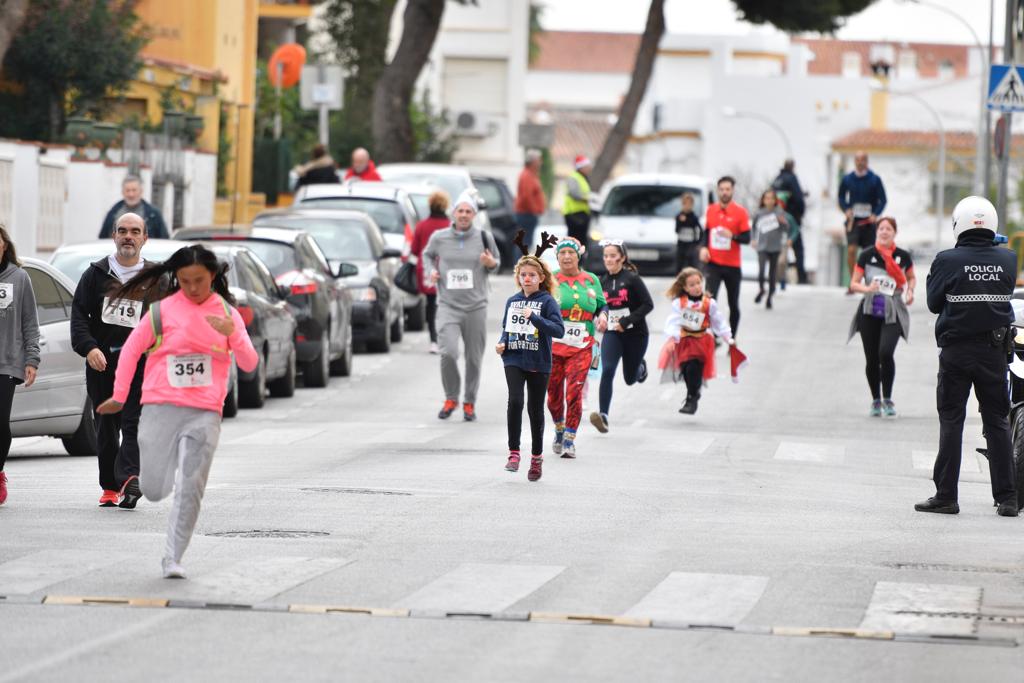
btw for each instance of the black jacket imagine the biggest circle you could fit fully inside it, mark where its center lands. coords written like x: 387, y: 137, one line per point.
x: 970, y: 287
x: 787, y: 181
x: 627, y: 290
x: 155, y: 226
x: 88, y: 331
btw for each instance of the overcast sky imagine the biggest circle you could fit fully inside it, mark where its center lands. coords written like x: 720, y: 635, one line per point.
x: 884, y: 20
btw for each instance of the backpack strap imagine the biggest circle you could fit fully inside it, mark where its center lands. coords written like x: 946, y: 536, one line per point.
x: 156, y: 323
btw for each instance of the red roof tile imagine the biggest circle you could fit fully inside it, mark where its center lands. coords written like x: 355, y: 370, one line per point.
x: 586, y: 51
x: 828, y: 56
x: 956, y: 141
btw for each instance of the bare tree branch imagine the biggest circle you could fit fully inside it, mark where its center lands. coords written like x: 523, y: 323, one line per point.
x: 12, y: 13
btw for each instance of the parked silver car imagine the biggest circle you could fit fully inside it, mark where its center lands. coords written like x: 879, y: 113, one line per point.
x: 57, y: 404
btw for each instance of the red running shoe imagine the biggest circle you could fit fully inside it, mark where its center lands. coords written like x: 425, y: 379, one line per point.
x: 513, y: 462
x: 535, y: 468
x: 468, y: 412
x: 447, y: 410
x: 109, y: 499
x: 3, y: 488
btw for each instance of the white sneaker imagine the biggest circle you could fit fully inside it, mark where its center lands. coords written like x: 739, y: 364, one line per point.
x: 172, y: 570
x: 433, y: 348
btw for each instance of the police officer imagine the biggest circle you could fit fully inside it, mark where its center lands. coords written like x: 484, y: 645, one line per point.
x: 970, y: 287
x: 99, y: 328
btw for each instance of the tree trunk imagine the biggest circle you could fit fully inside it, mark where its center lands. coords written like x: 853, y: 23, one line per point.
x: 392, y: 127
x: 12, y: 13
x: 615, y: 143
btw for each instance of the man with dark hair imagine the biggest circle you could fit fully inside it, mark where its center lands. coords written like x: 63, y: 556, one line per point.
x: 132, y: 202
x: 727, y: 226
x: 862, y: 199
x: 787, y: 189
x: 321, y: 169
x: 529, y: 204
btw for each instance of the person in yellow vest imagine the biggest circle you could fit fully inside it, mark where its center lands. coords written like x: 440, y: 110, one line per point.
x: 576, y: 206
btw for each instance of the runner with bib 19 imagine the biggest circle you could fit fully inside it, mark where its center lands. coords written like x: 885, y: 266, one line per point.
x: 190, y: 337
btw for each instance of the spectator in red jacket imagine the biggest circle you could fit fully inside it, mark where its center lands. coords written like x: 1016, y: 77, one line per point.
x: 438, y: 220
x: 530, y: 202
x: 362, y: 166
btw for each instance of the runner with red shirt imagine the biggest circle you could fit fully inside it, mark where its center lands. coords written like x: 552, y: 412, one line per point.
x: 728, y: 226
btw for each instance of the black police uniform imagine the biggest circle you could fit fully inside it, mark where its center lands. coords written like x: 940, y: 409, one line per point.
x: 970, y: 287
x: 118, y: 457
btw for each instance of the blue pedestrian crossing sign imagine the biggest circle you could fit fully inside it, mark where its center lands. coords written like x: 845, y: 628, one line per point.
x: 1006, y: 88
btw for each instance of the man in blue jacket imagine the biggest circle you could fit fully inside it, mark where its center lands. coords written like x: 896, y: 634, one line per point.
x: 862, y: 199
x: 131, y: 190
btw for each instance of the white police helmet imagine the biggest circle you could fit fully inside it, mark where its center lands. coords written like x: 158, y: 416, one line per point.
x: 974, y: 213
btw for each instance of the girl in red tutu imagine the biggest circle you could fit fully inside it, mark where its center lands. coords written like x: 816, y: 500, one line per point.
x: 689, y: 353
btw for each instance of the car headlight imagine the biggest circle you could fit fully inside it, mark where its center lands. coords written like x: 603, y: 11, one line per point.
x: 364, y: 293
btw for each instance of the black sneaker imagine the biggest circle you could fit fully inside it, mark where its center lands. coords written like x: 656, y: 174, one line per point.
x: 130, y: 494
x: 943, y: 507
x: 689, y: 406
x: 641, y: 373
x: 1007, y: 509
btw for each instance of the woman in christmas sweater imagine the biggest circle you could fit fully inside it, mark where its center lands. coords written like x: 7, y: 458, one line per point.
x: 582, y: 301
x: 689, y: 353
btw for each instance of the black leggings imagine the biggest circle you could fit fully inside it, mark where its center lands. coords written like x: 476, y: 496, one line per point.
x: 715, y: 275
x: 879, y: 342
x: 6, y: 399
x: 693, y: 374
x: 537, y: 391
x: 628, y: 346
x: 432, y: 316
x: 770, y: 259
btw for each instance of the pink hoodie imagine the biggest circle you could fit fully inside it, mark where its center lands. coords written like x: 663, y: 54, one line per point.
x: 185, y: 333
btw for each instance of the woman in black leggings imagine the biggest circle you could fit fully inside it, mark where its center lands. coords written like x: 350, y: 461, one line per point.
x: 885, y: 275
x: 629, y: 302
x: 19, y: 341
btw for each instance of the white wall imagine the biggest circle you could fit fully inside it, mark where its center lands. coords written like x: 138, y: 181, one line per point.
x: 601, y: 91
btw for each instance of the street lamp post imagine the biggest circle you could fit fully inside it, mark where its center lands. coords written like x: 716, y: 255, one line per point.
x: 733, y: 113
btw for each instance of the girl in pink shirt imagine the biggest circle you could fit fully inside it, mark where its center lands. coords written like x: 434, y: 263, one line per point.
x: 190, y: 337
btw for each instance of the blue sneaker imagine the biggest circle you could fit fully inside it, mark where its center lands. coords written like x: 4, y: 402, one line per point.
x: 876, y: 409
x: 569, y: 449
x: 556, y: 445
x: 888, y: 409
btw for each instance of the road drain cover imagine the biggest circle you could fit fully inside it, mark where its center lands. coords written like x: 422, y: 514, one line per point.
x: 365, y: 492
x: 269, y: 533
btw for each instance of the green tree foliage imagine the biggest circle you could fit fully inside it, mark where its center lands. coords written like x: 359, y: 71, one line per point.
x: 536, y: 29
x: 68, y: 56
x: 800, y: 15
x: 433, y: 140
x: 298, y: 126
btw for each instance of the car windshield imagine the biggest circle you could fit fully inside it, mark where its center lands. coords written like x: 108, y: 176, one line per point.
x: 451, y: 183
x: 74, y: 262
x: 387, y: 214
x: 280, y: 258
x: 650, y: 200
x: 421, y: 202
x: 340, y: 240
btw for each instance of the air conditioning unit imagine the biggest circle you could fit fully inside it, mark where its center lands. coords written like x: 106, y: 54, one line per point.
x: 473, y: 124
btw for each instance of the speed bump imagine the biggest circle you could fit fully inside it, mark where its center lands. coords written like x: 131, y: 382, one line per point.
x: 347, y: 609
x: 832, y: 632
x: 86, y: 600
x: 597, y: 619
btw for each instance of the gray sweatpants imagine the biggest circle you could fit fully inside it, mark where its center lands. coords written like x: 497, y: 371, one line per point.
x: 176, y: 447
x: 471, y: 327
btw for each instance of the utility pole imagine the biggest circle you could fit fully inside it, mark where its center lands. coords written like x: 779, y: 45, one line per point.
x: 1009, y: 57
x: 988, y: 115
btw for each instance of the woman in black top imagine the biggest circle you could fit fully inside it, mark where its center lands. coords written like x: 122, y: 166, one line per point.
x: 629, y: 302
x: 689, y: 235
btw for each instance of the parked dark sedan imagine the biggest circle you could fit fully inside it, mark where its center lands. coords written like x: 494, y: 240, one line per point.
x: 263, y: 305
x: 501, y: 210
x: 322, y: 306
x: 354, y: 237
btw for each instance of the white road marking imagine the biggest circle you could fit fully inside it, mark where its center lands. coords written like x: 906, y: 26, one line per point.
x: 701, y: 598
x: 282, y: 436
x: 810, y: 452
x: 925, y: 460
x: 481, y: 587
x: 637, y: 424
x: 667, y: 394
x: 257, y: 580
x: 35, y: 572
x: 905, y: 608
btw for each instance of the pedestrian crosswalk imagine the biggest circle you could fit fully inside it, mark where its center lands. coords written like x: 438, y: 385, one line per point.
x: 694, y: 599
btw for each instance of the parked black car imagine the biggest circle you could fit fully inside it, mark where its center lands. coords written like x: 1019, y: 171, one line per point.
x: 322, y: 306
x: 263, y: 305
x: 501, y: 211
x: 354, y: 237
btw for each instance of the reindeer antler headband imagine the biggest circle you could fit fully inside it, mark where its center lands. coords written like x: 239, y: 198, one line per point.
x: 546, y: 241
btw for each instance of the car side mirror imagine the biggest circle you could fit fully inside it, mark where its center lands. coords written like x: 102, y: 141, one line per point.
x: 481, y: 204
x: 347, y: 270
x: 391, y: 253
x: 284, y: 291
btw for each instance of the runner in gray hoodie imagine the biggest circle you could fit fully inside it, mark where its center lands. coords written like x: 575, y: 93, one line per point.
x: 459, y: 260
x: 19, y: 341
x: 774, y: 230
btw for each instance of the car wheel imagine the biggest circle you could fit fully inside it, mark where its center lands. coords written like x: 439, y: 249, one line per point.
x: 398, y: 327
x: 383, y: 343
x: 83, y: 441
x: 416, y: 318
x: 342, y: 367
x: 231, y: 400
x: 1017, y: 434
x: 284, y: 387
x: 253, y: 394
x: 316, y: 372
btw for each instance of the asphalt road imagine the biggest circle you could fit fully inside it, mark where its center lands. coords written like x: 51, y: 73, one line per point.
x: 770, y: 537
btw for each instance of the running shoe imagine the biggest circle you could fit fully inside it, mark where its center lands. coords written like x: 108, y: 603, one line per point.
x: 641, y: 372
x: 109, y: 499
x: 599, y: 420
x: 689, y: 406
x: 468, y: 412
x: 433, y: 348
x: 447, y: 410
x: 172, y: 570
x: 556, y: 445
x: 130, y: 494
x: 513, y: 462
x: 3, y: 488
x: 569, y: 449
x: 536, y: 463
x: 888, y: 409
x: 760, y: 295
x: 768, y: 304
x: 876, y: 409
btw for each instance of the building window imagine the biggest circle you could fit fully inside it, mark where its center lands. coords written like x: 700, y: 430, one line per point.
x: 906, y: 67
x: 946, y: 70
x: 851, y: 65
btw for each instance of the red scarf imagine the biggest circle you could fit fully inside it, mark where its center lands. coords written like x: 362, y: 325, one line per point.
x: 891, y: 266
